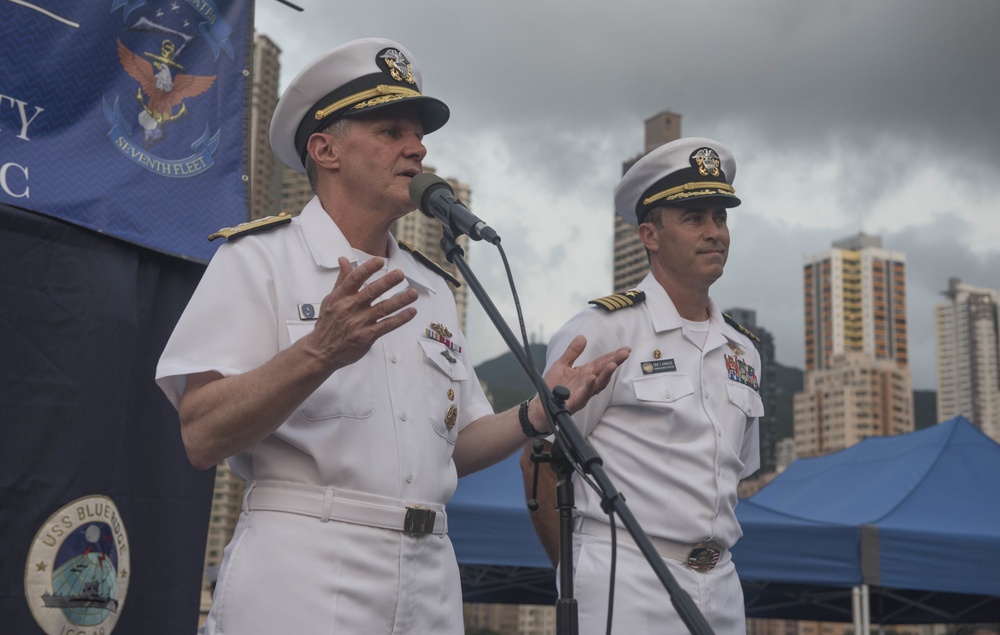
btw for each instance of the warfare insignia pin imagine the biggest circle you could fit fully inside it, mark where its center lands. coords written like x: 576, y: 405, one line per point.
x: 440, y: 329
x: 447, y: 356
x: 736, y: 349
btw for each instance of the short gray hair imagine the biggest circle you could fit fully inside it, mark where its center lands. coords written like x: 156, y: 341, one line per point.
x: 337, y: 129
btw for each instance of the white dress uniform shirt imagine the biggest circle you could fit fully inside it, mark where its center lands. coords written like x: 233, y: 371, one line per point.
x: 379, y: 427
x: 677, y: 428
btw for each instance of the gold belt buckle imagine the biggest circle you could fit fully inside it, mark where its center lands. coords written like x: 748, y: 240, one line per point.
x: 704, y: 556
x: 419, y: 520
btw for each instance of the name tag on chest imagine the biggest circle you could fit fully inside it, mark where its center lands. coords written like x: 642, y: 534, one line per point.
x: 658, y: 366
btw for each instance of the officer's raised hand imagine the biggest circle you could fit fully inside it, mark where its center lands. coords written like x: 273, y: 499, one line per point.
x: 352, y: 317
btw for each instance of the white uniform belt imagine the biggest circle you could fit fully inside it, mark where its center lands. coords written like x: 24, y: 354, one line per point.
x: 330, y: 503
x: 703, y: 556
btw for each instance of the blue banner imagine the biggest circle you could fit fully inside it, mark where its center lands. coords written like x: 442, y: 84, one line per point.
x: 126, y: 116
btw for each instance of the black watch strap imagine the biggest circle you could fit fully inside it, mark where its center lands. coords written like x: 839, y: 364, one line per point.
x: 526, y: 427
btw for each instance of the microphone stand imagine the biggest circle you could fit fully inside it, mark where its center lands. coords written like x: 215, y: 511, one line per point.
x: 567, y: 622
x: 578, y: 452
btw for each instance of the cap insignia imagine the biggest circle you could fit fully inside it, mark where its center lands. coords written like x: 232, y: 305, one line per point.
x: 707, y: 161
x: 397, y: 65
x: 620, y: 300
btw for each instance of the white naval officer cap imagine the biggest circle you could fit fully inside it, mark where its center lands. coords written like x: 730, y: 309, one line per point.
x: 688, y: 169
x: 352, y: 79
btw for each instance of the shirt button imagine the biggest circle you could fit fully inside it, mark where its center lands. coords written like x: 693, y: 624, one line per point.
x: 402, y: 415
x: 409, y: 477
x: 666, y: 393
x: 393, y: 358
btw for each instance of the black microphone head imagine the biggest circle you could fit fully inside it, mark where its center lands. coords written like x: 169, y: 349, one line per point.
x: 421, y: 187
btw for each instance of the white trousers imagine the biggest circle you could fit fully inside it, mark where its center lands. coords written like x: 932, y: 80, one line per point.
x: 642, y: 605
x: 290, y: 573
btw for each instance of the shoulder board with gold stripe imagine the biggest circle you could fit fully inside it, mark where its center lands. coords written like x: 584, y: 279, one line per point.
x: 739, y: 327
x: 620, y: 300
x: 252, y: 227
x: 430, y: 264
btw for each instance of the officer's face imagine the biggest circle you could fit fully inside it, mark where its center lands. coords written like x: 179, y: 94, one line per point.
x: 690, y: 245
x: 380, y: 154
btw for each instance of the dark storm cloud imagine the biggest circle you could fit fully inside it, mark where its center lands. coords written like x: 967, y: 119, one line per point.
x: 839, y: 114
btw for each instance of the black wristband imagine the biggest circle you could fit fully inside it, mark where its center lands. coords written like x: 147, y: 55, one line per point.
x: 526, y: 427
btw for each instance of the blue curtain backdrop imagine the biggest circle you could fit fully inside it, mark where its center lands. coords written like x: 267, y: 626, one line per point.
x: 121, y: 149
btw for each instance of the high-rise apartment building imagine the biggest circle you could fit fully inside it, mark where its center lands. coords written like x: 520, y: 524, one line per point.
x: 295, y: 191
x: 630, y: 262
x: 510, y: 619
x: 855, y: 398
x: 265, y: 170
x: 857, y: 381
x: 855, y: 301
x: 968, y: 356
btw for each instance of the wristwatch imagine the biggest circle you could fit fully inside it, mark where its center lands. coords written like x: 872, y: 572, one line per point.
x: 526, y: 427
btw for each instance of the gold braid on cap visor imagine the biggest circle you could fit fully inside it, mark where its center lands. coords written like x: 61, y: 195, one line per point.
x: 380, y: 94
x: 702, y: 188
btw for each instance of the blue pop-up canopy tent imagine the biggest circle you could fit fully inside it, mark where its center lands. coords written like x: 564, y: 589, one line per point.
x: 913, y: 519
x: 905, y: 529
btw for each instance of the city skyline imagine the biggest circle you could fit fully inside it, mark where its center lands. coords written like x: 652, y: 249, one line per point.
x: 843, y: 118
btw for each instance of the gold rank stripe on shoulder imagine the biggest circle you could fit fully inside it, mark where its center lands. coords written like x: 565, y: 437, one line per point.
x: 430, y: 264
x: 739, y: 327
x: 620, y: 300
x: 252, y: 227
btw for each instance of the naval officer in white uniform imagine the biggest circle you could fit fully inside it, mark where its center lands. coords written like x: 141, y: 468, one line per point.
x: 677, y: 427
x: 327, y: 364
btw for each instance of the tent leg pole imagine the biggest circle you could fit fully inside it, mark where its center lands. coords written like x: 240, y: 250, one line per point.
x: 856, y: 610
x: 866, y: 616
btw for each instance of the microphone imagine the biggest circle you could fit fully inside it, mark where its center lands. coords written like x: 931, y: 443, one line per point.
x: 435, y: 198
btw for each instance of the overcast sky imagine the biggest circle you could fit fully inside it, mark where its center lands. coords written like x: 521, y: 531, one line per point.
x: 844, y: 116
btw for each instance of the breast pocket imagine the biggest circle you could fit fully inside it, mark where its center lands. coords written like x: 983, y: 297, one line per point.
x: 746, y: 399
x: 346, y: 393
x: 744, y: 405
x: 443, y: 377
x: 665, y: 405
